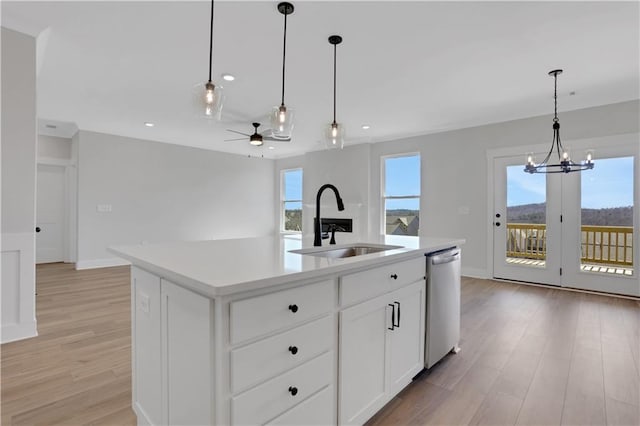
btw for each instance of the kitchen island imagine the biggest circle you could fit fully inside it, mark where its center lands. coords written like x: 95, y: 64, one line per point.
x: 252, y: 331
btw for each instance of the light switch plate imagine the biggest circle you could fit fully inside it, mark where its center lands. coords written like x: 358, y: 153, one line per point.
x: 463, y: 210
x: 104, y: 208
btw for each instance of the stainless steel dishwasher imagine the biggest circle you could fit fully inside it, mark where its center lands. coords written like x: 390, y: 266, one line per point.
x: 443, y: 305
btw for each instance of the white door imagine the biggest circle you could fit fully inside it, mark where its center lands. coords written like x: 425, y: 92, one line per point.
x: 406, y: 341
x: 600, y: 243
x: 575, y: 230
x: 362, y: 363
x: 50, y: 213
x: 526, y: 224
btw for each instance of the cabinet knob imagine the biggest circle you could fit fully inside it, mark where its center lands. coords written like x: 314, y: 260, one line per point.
x: 293, y: 308
x: 293, y: 350
x: 293, y: 390
x: 394, y: 276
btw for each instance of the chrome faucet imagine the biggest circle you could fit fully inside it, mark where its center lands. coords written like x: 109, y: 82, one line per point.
x: 317, y: 228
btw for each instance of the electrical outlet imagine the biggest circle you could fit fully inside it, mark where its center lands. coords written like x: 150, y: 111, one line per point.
x: 143, y: 303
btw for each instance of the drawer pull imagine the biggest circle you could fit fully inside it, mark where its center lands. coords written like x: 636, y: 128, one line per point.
x: 293, y: 308
x: 394, y: 276
x: 293, y: 390
x: 293, y: 350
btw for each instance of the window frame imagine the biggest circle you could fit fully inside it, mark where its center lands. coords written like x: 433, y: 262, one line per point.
x: 383, y: 189
x: 284, y: 201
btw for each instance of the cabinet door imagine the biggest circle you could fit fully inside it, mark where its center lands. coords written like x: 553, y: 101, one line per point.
x: 362, y: 361
x: 406, y: 342
x: 187, y: 366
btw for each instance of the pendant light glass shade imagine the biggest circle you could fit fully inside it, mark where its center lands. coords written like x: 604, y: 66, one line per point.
x: 334, y: 136
x: 209, y: 95
x: 334, y: 133
x: 282, y: 122
x: 212, y: 101
x: 281, y: 116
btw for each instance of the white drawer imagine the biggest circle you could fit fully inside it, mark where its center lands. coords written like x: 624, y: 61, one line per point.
x: 274, y: 311
x: 317, y: 410
x: 259, y: 361
x: 376, y: 281
x: 270, y: 399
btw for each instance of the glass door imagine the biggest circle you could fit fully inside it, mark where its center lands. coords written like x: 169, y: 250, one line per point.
x: 526, y: 224
x: 601, y: 244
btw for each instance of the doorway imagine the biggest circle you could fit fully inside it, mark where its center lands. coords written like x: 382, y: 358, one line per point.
x: 575, y: 230
x: 50, y: 213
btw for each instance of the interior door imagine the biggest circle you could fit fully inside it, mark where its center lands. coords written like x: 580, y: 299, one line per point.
x: 50, y: 213
x: 526, y: 224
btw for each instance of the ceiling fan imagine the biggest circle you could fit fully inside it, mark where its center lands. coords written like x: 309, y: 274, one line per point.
x: 256, y: 139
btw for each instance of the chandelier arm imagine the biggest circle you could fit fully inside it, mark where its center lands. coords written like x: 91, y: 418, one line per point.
x: 211, y: 43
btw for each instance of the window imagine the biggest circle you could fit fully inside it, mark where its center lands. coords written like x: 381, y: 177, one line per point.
x: 291, y: 195
x: 401, y: 194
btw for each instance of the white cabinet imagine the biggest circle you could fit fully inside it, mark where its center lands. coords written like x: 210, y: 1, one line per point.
x: 172, y: 372
x: 381, y: 350
x: 301, y: 354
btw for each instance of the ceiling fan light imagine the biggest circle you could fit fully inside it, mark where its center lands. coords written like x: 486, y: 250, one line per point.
x: 256, y: 140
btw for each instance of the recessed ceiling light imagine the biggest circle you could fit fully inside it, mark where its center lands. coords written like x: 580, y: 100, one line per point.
x: 148, y: 124
x: 272, y: 147
x: 365, y: 127
x: 228, y: 77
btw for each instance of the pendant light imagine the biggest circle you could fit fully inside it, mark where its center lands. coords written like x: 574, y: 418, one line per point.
x: 565, y: 164
x: 212, y: 97
x: 282, y: 117
x: 334, y: 136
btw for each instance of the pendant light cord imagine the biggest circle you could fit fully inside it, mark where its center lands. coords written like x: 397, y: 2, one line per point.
x: 555, y: 97
x: 211, y: 43
x: 335, y: 48
x: 284, y: 55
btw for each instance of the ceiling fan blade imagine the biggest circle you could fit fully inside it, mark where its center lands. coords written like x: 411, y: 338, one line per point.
x: 233, y: 140
x: 270, y: 138
x: 240, y: 133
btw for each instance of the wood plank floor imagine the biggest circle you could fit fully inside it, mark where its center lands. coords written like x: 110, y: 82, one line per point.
x: 78, y: 369
x: 530, y: 356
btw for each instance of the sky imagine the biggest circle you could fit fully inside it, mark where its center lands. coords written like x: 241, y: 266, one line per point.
x: 608, y: 184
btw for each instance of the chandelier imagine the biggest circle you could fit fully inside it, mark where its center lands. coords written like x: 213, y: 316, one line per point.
x: 564, y: 164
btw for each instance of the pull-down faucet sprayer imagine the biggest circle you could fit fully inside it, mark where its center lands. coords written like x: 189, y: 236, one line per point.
x: 317, y: 228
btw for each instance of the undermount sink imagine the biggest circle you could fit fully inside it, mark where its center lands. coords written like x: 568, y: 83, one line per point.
x: 345, y: 251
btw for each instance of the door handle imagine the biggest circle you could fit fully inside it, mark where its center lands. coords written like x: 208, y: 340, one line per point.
x: 497, y: 223
x: 398, y: 303
x: 38, y: 229
x: 393, y: 317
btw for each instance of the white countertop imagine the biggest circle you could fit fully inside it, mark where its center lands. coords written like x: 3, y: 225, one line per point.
x: 224, y: 267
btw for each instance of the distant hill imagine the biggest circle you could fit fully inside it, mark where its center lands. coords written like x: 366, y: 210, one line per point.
x: 535, y: 213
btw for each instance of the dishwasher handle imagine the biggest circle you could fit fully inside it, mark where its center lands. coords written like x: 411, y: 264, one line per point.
x: 445, y: 258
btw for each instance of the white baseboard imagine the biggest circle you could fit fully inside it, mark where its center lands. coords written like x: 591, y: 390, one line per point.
x: 13, y: 332
x: 101, y: 263
x: 476, y: 273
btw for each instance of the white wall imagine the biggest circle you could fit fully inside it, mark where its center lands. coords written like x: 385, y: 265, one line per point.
x: 162, y: 192
x: 348, y: 170
x: 54, y: 147
x: 18, y: 185
x: 454, y: 171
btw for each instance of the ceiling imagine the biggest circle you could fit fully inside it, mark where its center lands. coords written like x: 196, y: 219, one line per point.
x: 404, y: 68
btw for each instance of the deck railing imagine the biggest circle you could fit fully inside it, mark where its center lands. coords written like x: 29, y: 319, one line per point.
x: 607, y: 245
